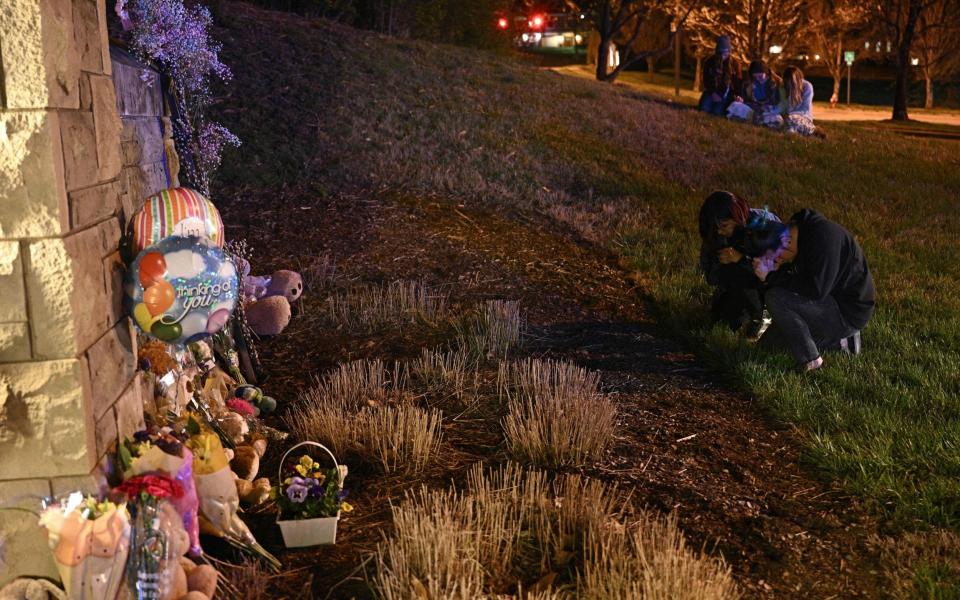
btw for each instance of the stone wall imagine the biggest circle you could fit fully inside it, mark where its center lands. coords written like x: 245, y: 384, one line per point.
x: 68, y: 384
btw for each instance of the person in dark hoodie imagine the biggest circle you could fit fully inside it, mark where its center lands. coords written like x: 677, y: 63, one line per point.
x: 737, y: 298
x: 819, y: 288
x: 722, y: 77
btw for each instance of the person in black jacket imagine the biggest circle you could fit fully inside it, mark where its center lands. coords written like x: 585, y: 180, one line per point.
x: 819, y: 288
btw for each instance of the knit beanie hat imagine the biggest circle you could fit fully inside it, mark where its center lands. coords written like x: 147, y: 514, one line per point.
x: 723, y: 44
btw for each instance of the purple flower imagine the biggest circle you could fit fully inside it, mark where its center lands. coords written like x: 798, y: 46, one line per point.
x: 342, y: 494
x: 316, y: 491
x: 297, y: 493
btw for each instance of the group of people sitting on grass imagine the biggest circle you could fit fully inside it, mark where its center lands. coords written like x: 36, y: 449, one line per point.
x: 807, y: 277
x: 762, y: 98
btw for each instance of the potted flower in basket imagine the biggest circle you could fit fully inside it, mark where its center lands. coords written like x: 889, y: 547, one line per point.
x: 310, y: 499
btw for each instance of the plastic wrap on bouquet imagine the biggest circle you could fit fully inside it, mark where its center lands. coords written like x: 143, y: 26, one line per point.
x: 154, y: 549
x: 179, y: 468
x: 219, y: 501
x: 89, y: 552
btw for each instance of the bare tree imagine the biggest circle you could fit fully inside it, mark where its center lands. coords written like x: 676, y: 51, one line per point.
x: 756, y: 25
x: 831, y: 26
x: 900, y: 18
x: 619, y: 23
x: 938, y: 44
x: 699, y: 39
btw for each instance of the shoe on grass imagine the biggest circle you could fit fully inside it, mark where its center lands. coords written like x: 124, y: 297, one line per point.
x: 813, y: 365
x: 851, y: 344
x: 757, y: 327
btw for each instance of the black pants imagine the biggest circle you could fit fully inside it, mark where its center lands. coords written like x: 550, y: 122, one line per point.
x: 807, y: 326
x: 736, y: 306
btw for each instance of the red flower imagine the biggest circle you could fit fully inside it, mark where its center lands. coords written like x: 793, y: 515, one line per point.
x: 240, y: 406
x: 158, y: 486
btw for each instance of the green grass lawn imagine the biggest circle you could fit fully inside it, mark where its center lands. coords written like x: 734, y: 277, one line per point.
x: 630, y: 170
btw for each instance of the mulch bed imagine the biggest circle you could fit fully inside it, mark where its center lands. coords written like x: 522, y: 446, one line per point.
x: 685, y: 442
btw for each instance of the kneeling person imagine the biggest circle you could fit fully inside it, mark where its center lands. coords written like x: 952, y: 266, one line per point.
x: 820, y: 291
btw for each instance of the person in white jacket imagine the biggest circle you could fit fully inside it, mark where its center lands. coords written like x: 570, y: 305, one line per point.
x: 796, y: 104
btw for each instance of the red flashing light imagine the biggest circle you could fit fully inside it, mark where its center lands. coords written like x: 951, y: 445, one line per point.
x: 536, y: 21
x: 502, y: 23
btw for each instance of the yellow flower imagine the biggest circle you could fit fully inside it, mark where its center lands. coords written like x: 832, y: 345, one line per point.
x: 320, y: 477
x: 302, y: 470
x: 346, y: 506
x: 306, y: 461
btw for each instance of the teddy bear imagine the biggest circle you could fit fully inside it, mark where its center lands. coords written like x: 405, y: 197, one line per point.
x: 190, y: 581
x: 267, y: 298
x: 245, y: 464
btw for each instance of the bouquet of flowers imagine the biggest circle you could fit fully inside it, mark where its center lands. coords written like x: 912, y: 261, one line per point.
x: 219, y: 501
x: 90, y: 541
x: 160, y: 451
x: 310, y: 492
x: 155, y: 543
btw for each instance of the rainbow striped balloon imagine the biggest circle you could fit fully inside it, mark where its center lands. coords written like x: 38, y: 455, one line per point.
x: 176, y: 211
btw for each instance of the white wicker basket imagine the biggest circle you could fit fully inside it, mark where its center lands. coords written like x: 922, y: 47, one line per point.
x: 298, y: 533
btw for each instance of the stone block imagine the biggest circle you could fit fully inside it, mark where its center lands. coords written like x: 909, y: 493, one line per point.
x: 94, y: 204
x: 13, y: 301
x: 147, y: 133
x: 112, y: 362
x: 24, y: 545
x: 129, y: 409
x: 155, y: 179
x: 41, y: 420
x: 105, y: 432
x: 66, y: 294
x: 86, y: 28
x: 109, y: 236
x: 92, y: 484
x: 137, y: 86
x: 107, y: 123
x: 133, y: 185
x: 31, y: 175
x: 40, y: 61
x: 104, y: 37
x: 86, y: 94
x: 14, y: 342
x: 79, y: 149
x: 114, y: 272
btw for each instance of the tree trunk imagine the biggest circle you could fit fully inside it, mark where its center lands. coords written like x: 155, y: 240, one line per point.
x: 651, y: 67
x: 836, y: 90
x: 603, y: 57
x: 903, y: 62
x: 698, y: 75
x: 928, y: 102
x: 605, y: 29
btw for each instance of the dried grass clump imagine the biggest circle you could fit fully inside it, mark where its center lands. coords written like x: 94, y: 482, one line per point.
x: 444, y: 374
x: 357, y: 384
x: 319, y: 273
x: 492, y: 331
x: 649, y: 559
x: 556, y: 414
x: 398, y: 438
x: 403, y: 438
x: 395, y: 304
x: 560, y: 541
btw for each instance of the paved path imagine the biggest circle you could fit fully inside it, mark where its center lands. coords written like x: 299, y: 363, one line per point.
x: 821, y: 110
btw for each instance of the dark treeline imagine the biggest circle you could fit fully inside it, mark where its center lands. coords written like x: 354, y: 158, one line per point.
x: 450, y: 21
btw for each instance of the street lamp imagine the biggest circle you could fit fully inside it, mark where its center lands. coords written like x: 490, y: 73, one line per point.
x: 776, y: 49
x: 915, y: 61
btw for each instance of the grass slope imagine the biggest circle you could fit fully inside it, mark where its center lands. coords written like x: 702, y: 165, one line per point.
x: 623, y: 169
